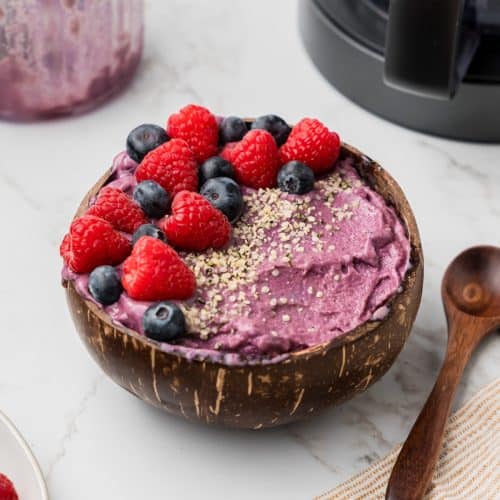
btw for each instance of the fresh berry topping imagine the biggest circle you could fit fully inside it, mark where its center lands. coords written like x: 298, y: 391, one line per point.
x: 296, y: 177
x: 163, y: 321
x: 152, y: 198
x: 172, y: 166
x: 255, y: 159
x: 275, y: 125
x: 232, y: 129
x: 215, y: 167
x: 195, y: 224
x: 7, y: 490
x: 144, y: 139
x: 149, y: 230
x: 224, y: 194
x: 116, y: 207
x: 105, y: 285
x: 198, y: 127
x: 154, y: 271
x: 93, y: 242
x: 313, y: 144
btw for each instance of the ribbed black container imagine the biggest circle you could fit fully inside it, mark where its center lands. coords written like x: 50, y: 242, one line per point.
x: 346, y: 41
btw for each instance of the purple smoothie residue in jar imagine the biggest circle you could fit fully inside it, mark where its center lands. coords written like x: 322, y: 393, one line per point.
x: 65, y: 56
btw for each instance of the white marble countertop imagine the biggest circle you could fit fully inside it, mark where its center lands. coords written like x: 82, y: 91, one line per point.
x: 93, y: 439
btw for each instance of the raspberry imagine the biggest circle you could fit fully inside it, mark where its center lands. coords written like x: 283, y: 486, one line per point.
x: 172, y: 165
x: 255, y: 159
x: 7, y: 490
x: 198, y: 127
x: 93, y: 242
x: 313, y: 144
x: 155, y: 271
x: 116, y: 207
x: 195, y: 224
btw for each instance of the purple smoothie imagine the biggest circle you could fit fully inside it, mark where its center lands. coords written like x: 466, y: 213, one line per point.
x: 300, y: 270
x: 65, y: 56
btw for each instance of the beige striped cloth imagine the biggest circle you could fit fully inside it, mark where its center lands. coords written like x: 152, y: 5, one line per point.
x: 469, y: 464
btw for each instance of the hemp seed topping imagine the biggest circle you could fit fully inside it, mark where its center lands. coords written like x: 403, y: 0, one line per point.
x: 275, y: 228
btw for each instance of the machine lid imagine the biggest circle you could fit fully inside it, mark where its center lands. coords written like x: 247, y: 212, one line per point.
x: 365, y: 21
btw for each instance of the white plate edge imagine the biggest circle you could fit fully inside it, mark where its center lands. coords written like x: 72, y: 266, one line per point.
x: 29, y: 454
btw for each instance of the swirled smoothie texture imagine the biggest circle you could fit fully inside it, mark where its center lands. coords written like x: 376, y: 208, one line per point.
x: 300, y: 270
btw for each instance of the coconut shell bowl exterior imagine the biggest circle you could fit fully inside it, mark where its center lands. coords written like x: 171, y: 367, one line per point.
x: 259, y: 395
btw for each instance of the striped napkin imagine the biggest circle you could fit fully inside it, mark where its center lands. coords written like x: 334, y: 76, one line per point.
x: 469, y: 464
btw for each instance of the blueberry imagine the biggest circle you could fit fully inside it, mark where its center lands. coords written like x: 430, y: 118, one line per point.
x: 232, y: 129
x: 163, y: 321
x: 148, y: 230
x: 275, y: 125
x: 225, y: 194
x: 215, y: 167
x: 105, y: 285
x: 296, y: 177
x: 152, y: 198
x: 144, y: 139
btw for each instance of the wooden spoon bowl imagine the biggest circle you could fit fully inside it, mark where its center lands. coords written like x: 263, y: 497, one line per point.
x: 473, y: 282
x: 259, y: 395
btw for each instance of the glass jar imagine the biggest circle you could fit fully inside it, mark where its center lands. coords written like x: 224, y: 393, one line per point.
x: 60, y: 57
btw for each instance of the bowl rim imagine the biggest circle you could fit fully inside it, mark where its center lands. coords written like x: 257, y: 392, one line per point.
x: 410, y: 278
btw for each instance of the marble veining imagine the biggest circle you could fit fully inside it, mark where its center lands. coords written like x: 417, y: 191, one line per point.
x: 89, y: 435
x: 72, y: 428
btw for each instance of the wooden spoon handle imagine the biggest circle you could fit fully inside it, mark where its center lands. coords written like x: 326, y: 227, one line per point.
x: 415, y: 464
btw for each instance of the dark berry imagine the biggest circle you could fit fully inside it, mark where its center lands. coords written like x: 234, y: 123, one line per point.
x: 163, y: 321
x: 144, y: 139
x: 275, y: 125
x: 148, y: 230
x: 225, y: 194
x: 296, y: 177
x: 152, y: 198
x: 105, y: 285
x: 232, y: 129
x: 215, y: 167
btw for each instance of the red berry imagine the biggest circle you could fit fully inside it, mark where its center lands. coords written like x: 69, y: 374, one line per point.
x: 93, y: 242
x: 195, y: 224
x: 313, y: 144
x: 172, y: 165
x: 255, y: 159
x: 198, y: 127
x: 155, y: 271
x: 116, y: 207
x: 7, y: 490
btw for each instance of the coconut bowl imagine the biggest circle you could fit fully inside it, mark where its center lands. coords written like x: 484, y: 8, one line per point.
x: 259, y: 395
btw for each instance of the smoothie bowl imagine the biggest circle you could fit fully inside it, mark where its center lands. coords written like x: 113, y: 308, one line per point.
x: 242, y: 272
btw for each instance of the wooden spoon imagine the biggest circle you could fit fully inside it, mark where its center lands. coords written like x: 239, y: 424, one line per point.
x: 471, y: 297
